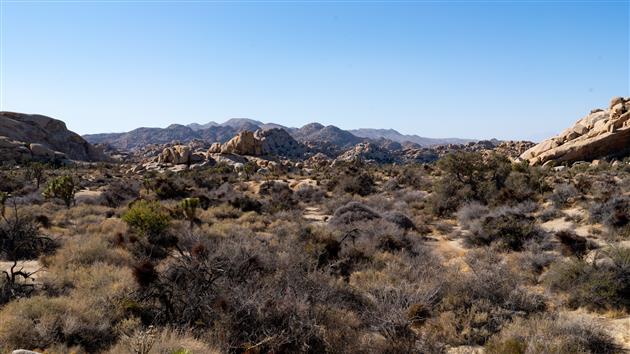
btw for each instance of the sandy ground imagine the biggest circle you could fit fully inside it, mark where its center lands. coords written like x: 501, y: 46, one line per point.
x: 27, y: 266
x: 315, y: 214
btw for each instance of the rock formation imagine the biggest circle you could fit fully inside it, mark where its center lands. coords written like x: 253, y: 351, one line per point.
x: 601, y: 134
x: 245, y: 143
x: 367, y: 152
x: 25, y: 137
x: 277, y: 142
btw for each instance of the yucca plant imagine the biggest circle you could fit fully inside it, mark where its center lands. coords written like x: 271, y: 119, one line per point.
x: 189, y: 208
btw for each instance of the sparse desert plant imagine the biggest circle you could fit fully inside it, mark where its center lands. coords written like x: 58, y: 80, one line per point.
x: 146, y: 217
x: 361, y: 184
x: 509, y: 228
x: 563, y: 194
x: 36, y: 171
x: 552, y: 334
x: 476, y: 304
x: 599, y: 284
x: 573, y: 244
x: 63, y: 188
x: 119, y: 191
x: 614, y: 213
x: 470, y: 213
x: 167, y: 186
x: 353, y: 212
x: 189, y: 207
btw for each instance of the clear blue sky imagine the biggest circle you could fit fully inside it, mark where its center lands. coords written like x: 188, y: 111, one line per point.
x: 506, y: 69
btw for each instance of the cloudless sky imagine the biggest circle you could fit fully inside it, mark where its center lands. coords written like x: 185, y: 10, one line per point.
x: 470, y: 69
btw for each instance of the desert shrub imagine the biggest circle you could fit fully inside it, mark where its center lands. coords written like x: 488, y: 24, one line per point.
x: 310, y: 194
x: 414, y: 176
x: 550, y: 214
x: 477, y: 303
x: 522, y: 184
x: 63, y: 187
x: 614, y: 213
x: 245, y: 204
x: 360, y: 184
x: 468, y: 214
x: 86, y: 317
x: 468, y: 176
x: 160, y: 341
x: 279, y: 197
x: 552, y: 334
x: 509, y: 228
x: 573, y: 244
x: 598, y: 284
x: 11, y: 182
x: 167, y: 186
x: 20, y: 239
x: 225, y: 211
x: 147, y: 217
x: 120, y: 191
x: 353, y: 212
x: 401, y: 220
x: 534, y: 259
x: 36, y: 171
x: 563, y: 194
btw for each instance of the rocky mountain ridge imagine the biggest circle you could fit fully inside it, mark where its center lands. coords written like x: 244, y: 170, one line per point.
x: 327, y: 139
x: 27, y: 137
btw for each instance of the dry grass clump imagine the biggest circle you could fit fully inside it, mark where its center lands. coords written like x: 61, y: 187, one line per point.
x: 478, y: 301
x: 85, y: 316
x: 552, y: 334
x: 164, y: 341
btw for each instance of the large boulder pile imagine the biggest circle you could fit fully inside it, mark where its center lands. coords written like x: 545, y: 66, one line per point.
x: 601, y: 134
x: 278, y: 142
x: 245, y: 143
x: 26, y: 137
x: 367, y: 152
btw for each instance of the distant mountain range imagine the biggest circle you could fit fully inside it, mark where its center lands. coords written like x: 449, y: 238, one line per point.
x: 393, y: 135
x: 315, y: 135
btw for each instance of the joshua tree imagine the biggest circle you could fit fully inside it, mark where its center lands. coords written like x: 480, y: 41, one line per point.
x: 36, y: 171
x: 62, y: 187
x: 189, y: 207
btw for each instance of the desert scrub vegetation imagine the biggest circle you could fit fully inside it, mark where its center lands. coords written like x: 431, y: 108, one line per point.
x: 600, y: 283
x: 464, y: 177
x: 390, y: 259
x: 552, y: 334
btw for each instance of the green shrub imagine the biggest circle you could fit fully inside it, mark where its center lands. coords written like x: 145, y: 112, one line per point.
x: 189, y: 208
x: 147, y: 217
x: 63, y: 188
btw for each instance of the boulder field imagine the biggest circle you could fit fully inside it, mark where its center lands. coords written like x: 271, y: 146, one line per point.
x: 603, y: 133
